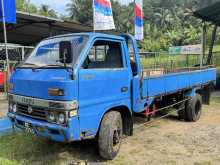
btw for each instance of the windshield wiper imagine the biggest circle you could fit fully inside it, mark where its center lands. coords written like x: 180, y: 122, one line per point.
x: 27, y: 65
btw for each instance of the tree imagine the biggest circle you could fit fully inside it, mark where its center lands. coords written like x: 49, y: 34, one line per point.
x: 46, y: 11
x: 24, y: 5
x: 166, y: 22
x: 80, y: 11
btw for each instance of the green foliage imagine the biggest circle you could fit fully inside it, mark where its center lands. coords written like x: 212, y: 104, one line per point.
x: 80, y: 11
x: 166, y: 22
x: 169, y: 62
x: 25, y: 6
x: 46, y: 11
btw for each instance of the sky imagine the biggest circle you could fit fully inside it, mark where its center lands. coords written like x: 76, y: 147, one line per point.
x: 60, y: 5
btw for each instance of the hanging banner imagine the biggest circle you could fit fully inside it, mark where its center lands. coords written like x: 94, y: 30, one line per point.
x: 139, y: 20
x: 189, y: 49
x: 103, y: 17
x: 10, y: 11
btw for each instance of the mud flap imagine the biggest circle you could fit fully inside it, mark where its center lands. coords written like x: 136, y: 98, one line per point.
x: 206, y: 95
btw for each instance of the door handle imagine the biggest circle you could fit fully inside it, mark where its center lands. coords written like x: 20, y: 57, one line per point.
x: 88, y: 76
x: 124, y: 89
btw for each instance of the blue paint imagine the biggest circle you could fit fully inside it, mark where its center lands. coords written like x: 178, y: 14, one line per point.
x: 67, y: 134
x: 169, y: 83
x: 99, y: 90
x: 35, y: 83
x: 5, y: 126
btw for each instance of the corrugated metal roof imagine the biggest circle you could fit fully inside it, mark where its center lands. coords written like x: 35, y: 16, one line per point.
x: 210, y: 13
x: 32, y: 28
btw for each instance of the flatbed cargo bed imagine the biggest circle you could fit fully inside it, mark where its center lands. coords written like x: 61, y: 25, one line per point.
x: 163, y: 84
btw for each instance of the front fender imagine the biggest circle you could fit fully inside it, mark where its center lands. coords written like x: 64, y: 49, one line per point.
x: 91, y: 117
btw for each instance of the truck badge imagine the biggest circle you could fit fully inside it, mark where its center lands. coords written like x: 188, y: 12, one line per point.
x: 30, y: 110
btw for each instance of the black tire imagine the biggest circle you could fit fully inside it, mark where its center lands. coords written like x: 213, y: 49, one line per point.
x: 194, y: 108
x: 110, y: 135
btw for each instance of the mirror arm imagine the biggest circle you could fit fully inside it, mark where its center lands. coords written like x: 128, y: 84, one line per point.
x: 72, y: 75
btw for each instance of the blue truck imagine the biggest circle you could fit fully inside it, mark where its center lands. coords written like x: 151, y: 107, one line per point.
x: 89, y: 86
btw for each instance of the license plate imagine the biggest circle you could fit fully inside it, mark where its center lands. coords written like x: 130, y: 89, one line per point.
x: 28, y: 128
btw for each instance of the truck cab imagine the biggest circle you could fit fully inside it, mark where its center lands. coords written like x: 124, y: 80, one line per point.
x: 69, y: 83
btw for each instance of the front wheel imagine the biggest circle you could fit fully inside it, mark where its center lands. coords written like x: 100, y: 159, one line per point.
x: 110, y: 135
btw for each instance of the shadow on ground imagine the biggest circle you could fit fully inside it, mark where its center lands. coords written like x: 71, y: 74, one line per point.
x: 27, y: 149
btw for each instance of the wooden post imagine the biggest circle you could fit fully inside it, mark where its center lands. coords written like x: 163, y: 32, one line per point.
x: 203, y: 41
x: 210, y: 55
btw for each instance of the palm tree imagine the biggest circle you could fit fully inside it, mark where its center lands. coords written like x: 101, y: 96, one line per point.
x: 46, y: 11
x: 81, y: 11
x: 24, y: 5
x: 163, y: 18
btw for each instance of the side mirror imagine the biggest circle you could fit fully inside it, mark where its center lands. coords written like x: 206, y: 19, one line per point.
x: 65, y: 51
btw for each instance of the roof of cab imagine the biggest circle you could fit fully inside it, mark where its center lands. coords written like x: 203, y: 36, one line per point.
x: 90, y: 34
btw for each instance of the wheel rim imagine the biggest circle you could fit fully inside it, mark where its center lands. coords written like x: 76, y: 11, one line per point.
x: 116, y: 137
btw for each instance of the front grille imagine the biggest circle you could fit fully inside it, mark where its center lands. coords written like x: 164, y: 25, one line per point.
x: 37, y: 113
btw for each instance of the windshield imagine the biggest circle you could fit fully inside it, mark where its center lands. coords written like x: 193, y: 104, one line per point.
x: 47, y: 52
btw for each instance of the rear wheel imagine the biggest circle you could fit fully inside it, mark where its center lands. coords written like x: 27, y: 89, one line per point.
x: 194, y: 108
x: 110, y: 134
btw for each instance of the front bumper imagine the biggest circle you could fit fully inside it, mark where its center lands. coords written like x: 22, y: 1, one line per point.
x: 68, y: 133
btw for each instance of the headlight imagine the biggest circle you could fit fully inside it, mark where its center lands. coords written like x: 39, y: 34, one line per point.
x: 10, y: 107
x: 73, y: 113
x: 61, y: 118
x: 14, y: 108
x: 52, y: 117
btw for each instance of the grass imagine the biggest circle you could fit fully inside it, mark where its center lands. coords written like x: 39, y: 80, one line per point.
x: 22, y: 149
x: 175, y: 61
x: 215, y: 100
x: 170, y: 61
x: 216, y: 48
x: 25, y: 149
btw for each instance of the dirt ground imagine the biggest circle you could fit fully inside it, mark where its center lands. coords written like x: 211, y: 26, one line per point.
x: 3, y: 108
x: 168, y: 141
x: 176, y: 142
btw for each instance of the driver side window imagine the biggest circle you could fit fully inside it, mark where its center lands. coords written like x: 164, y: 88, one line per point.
x: 104, y: 55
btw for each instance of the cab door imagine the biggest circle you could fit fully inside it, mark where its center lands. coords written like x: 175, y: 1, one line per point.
x: 104, y: 81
